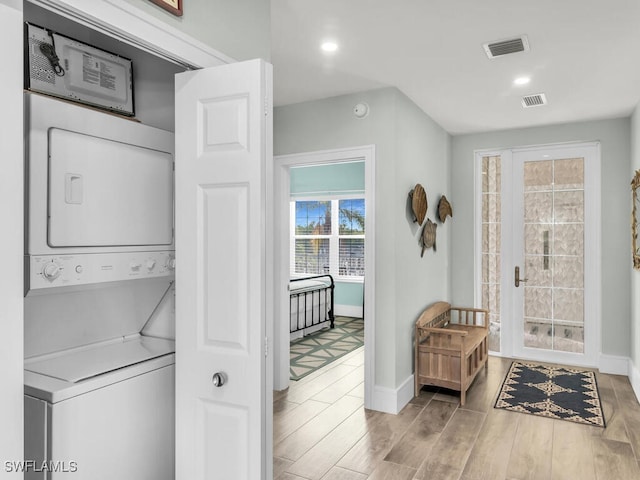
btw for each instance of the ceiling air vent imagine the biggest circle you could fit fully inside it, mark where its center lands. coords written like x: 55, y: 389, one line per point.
x: 506, y: 47
x: 535, y: 100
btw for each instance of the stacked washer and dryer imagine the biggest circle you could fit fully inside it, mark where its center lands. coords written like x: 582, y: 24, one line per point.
x: 99, y: 318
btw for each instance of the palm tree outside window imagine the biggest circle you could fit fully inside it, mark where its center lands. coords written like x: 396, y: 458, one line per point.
x: 328, y: 237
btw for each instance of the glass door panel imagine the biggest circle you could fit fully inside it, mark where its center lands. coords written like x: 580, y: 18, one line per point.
x: 554, y: 254
x: 491, y: 231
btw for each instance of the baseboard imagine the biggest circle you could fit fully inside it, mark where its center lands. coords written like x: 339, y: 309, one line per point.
x: 613, y: 364
x: 616, y: 365
x: 348, y: 311
x: 306, y: 331
x: 390, y: 400
x: 405, y: 392
x: 634, y: 378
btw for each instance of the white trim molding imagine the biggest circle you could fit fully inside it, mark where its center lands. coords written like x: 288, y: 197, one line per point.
x: 617, y: 365
x: 126, y: 22
x: 348, y: 311
x: 614, y: 364
x: 11, y: 240
x: 390, y: 400
x: 634, y: 378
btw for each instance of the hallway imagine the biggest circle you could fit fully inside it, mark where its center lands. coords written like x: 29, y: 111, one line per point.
x: 322, y: 431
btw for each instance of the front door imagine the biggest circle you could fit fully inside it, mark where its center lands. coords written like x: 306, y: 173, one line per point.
x: 555, y: 252
x: 223, y: 153
x: 539, y: 251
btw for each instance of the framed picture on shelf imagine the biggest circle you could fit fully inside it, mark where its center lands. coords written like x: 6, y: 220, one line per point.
x: 173, y: 6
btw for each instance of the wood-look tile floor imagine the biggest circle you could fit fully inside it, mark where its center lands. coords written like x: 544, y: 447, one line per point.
x: 323, y: 432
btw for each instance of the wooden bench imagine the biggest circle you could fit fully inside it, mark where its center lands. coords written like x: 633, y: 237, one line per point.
x: 451, y: 346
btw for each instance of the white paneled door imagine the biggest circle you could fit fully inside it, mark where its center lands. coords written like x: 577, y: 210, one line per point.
x: 223, y: 150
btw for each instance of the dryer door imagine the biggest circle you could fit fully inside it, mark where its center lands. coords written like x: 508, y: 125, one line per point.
x: 107, y: 193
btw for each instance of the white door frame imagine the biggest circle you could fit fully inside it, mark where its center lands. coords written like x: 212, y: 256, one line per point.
x: 282, y: 197
x: 129, y: 24
x: 506, y: 191
x: 11, y: 240
x: 593, y: 304
x: 125, y: 22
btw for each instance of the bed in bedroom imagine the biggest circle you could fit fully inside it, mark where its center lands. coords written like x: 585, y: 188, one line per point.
x: 311, y: 303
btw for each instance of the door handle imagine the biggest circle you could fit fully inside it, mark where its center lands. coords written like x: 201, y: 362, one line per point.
x: 519, y: 280
x: 219, y: 379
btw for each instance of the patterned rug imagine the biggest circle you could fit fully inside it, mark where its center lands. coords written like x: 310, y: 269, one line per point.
x: 324, y: 346
x: 555, y: 392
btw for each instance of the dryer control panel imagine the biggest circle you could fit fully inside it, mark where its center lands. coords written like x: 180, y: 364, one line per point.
x: 48, y: 271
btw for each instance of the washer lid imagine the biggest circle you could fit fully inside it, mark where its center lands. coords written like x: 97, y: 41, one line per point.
x: 81, y: 364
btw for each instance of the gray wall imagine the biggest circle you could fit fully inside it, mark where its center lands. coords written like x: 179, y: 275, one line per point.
x: 240, y: 29
x: 635, y: 274
x: 423, y: 153
x: 614, y: 136
x: 410, y: 148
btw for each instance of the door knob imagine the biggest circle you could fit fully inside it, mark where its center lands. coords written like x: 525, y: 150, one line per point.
x: 219, y: 379
x: 518, y: 280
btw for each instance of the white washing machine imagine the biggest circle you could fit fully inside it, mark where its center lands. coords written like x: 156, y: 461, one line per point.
x: 99, y: 368
x: 102, y: 412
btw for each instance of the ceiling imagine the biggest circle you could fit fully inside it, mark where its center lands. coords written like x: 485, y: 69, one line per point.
x: 584, y: 55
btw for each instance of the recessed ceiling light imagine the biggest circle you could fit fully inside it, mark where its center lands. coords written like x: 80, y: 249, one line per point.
x: 521, y: 81
x: 329, y: 47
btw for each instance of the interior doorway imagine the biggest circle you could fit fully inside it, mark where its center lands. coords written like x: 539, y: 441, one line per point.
x: 283, y: 166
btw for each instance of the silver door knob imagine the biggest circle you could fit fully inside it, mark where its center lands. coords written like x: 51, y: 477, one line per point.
x: 219, y: 379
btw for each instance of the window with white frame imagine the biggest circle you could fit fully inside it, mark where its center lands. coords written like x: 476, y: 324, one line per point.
x: 327, y: 237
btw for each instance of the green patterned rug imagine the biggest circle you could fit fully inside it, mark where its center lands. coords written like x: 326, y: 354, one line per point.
x: 324, y: 346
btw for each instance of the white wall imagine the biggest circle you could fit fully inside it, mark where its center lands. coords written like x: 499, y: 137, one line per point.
x: 11, y: 239
x: 410, y: 148
x: 614, y: 136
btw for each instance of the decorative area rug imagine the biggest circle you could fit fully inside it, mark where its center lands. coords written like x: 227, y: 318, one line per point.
x: 320, y: 348
x: 552, y: 391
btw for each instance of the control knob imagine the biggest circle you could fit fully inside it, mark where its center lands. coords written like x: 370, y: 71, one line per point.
x: 51, y: 271
x: 171, y: 263
x: 151, y: 264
